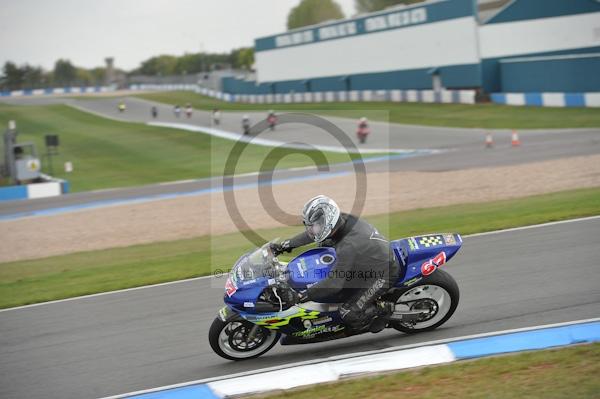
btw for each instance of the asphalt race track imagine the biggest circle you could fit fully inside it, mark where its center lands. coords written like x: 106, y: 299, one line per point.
x: 461, y: 148
x: 132, y: 340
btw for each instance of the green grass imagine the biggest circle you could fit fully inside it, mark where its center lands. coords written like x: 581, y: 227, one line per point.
x: 489, y: 116
x: 550, y: 374
x: 108, y: 154
x: 77, y: 274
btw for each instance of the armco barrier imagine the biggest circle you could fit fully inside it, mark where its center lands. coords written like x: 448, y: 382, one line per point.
x: 548, y: 99
x: 50, y: 188
x: 57, y: 90
x: 308, y: 373
x: 428, y: 96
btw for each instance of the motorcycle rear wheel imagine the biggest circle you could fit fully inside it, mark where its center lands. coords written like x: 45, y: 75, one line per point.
x: 437, y: 293
x: 230, y: 339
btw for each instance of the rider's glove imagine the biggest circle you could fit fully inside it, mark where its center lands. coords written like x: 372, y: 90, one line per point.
x: 281, y: 247
x: 291, y: 296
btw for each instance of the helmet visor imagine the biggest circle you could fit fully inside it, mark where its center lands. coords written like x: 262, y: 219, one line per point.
x: 315, y: 226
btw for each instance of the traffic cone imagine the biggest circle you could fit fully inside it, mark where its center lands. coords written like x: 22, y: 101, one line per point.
x: 515, y: 142
x: 489, y: 141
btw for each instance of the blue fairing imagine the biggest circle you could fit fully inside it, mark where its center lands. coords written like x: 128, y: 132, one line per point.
x: 310, y: 267
x: 246, y: 294
x: 417, y: 257
x: 411, y: 253
x: 424, y: 253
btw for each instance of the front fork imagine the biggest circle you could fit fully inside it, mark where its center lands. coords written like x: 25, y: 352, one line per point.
x: 253, y: 331
x: 226, y: 314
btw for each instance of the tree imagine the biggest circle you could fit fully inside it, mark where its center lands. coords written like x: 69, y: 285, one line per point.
x: 64, y: 73
x: 310, y: 12
x: 33, y: 77
x: 376, y: 5
x: 166, y: 65
x: 12, y: 76
x: 201, y: 62
x: 159, y: 65
x: 98, y: 75
x: 242, y: 58
x: 83, y: 77
x: 26, y: 76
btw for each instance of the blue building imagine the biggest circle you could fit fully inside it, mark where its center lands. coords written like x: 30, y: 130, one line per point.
x: 526, y: 46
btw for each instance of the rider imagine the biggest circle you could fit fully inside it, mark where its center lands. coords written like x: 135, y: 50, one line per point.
x: 246, y: 124
x: 365, y: 267
x: 363, y: 129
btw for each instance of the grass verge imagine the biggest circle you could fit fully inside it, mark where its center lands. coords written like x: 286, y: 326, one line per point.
x: 66, y: 276
x: 486, y: 116
x: 109, y: 154
x: 558, y: 373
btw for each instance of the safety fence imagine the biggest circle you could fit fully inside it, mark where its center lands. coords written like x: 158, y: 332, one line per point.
x: 425, y: 96
x: 50, y: 187
x: 548, y: 99
x: 57, y: 90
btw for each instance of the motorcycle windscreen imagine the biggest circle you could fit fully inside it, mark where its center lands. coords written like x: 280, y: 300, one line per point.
x: 247, y: 278
x: 310, y: 267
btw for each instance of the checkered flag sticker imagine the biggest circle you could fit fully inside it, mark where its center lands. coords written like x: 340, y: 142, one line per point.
x: 431, y: 241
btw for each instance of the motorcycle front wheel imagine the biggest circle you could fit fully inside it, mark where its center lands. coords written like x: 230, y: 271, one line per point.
x: 231, y: 340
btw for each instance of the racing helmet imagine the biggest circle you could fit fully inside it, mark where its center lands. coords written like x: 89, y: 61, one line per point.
x: 320, y: 216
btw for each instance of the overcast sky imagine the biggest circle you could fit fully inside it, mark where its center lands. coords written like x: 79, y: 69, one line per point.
x: 86, y: 31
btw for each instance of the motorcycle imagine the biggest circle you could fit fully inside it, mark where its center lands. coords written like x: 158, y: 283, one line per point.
x: 362, y: 132
x: 259, y: 308
x: 272, y: 121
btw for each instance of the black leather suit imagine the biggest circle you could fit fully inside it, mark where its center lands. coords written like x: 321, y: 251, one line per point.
x: 364, y: 270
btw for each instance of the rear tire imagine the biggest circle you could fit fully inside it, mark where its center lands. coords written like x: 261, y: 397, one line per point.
x: 226, y: 339
x: 438, y: 288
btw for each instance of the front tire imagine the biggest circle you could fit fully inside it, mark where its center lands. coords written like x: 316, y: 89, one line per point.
x: 230, y: 339
x: 438, y: 294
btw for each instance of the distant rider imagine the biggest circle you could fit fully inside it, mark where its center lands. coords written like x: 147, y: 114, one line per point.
x: 365, y: 267
x: 363, y: 130
x: 272, y: 120
x: 246, y: 124
x: 216, y: 116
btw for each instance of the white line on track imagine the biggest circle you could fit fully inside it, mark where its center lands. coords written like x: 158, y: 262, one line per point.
x: 106, y: 293
x: 351, y: 355
x: 206, y: 277
x: 282, y: 144
x: 533, y: 226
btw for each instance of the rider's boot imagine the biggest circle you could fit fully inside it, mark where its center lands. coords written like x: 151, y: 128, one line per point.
x: 384, y: 313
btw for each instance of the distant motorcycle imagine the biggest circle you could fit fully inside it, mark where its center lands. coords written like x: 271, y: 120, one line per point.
x: 246, y: 124
x: 363, y: 130
x: 259, y: 307
x: 272, y: 120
